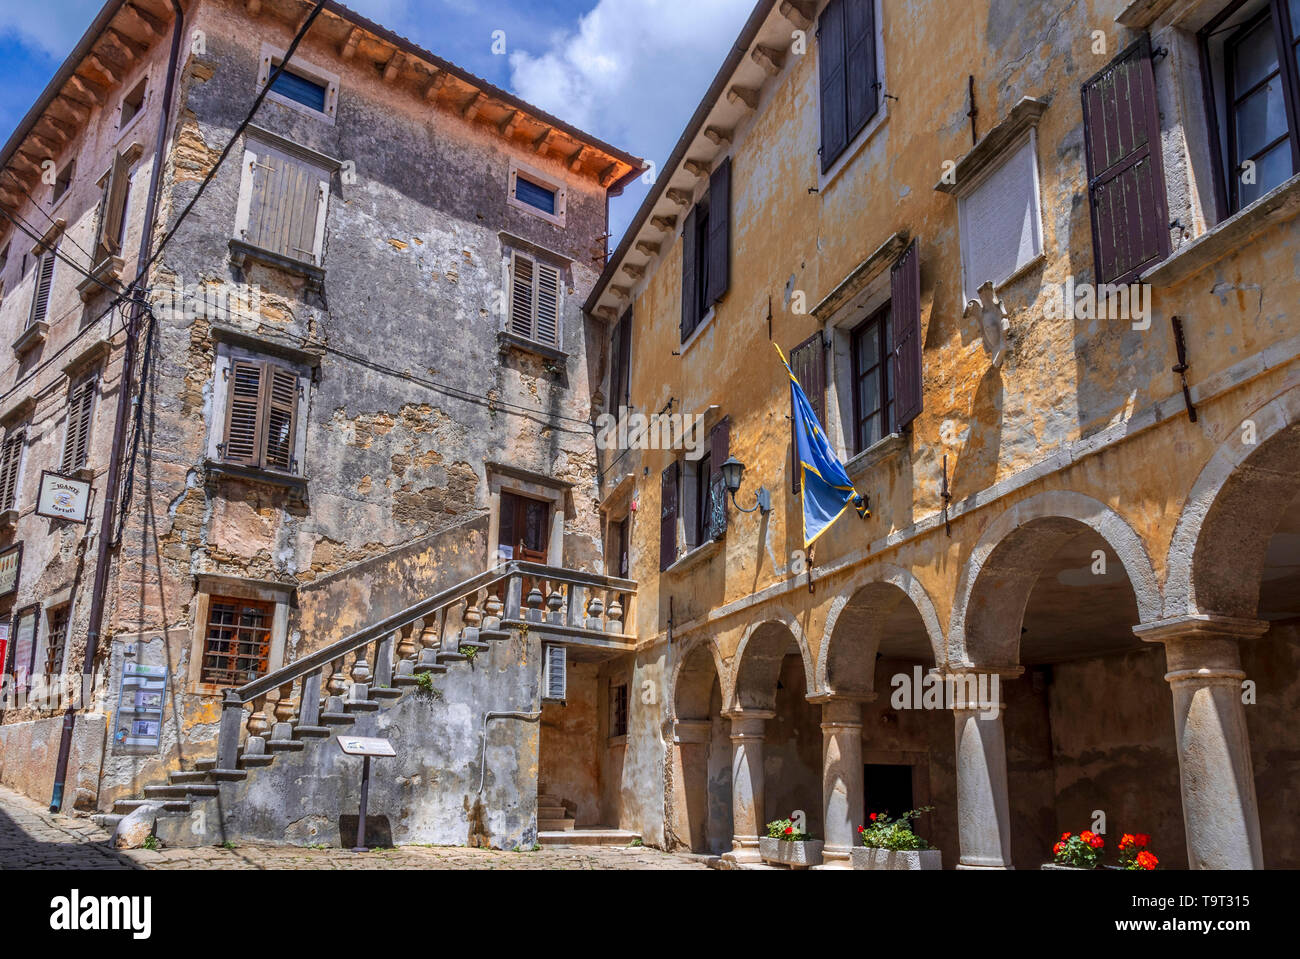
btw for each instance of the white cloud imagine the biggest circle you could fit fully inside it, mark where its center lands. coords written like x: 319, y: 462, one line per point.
x: 633, y: 70
x: 51, y: 26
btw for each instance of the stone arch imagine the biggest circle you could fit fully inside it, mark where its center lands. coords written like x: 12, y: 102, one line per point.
x: 697, y: 665
x: 1006, y: 561
x: 861, y: 608
x: 1216, y: 555
x: 757, y: 663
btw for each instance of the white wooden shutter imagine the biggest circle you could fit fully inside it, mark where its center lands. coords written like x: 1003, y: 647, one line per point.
x: 556, y: 672
x: 534, y: 299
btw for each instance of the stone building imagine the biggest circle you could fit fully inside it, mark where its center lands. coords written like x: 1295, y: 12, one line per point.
x: 1036, y: 267
x: 357, y: 413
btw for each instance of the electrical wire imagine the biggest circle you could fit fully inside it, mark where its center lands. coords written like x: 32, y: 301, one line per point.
x: 54, y: 248
x: 46, y: 213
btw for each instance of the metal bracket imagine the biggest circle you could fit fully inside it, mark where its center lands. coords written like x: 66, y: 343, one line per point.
x: 1180, y: 345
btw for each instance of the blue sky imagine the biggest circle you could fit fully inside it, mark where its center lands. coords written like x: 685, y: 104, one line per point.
x: 629, y: 71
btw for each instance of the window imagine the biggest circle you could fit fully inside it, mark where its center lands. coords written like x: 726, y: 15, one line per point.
x: 873, y: 387
x: 44, y: 282
x: 81, y: 409
x: 534, y: 299
x: 618, y: 710
x: 693, y: 496
x: 1253, y: 53
x: 1000, y: 219
x: 261, y: 416
x: 706, y: 251
x: 556, y: 674
x: 132, y: 103
x: 58, y: 638
x: 63, y: 181
x: 11, y: 458
x: 237, y: 643
x: 282, y: 202
x: 696, y: 477
x: 301, y: 86
x: 620, y: 563
x: 113, y: 209
x: 24, y: 659
x: 535, y: 193
x: 848, y: 74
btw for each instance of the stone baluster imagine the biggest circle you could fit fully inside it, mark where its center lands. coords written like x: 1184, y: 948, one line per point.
x: 232, y: 718
x: 309, y: 706
x: 514, y: 596
x: 406, y: 642
x: 493, y: 607
x: 614, y: 615
x: 596, y: 610
x: 471, y: 619
x: 282, y: 731
x: 534, y: 602
x: 337, y: 685
x: 554, y: 601
x: 338, y: 681
x: 255, y: 742
x: 383, y: 686
x: 360, y: 688
x: 576, y: 611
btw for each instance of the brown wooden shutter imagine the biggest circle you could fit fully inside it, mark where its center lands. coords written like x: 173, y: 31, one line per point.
x: 905, y: 316
x: 244, y: 414
x: 1126, y: 182
x: 719, y: 450
x: 10, y: 459
x: 808, y: 363
x: 668, y: 516
x: 44, y: 281
x: 283, y: 211
x: 719, y: 232
x: 621, y: 374
x: 859, y: 64
x: 76, y: 444
x: 830, y: 61
x: 110, y: 222
x: 689, y: 301
x: 281, y: 418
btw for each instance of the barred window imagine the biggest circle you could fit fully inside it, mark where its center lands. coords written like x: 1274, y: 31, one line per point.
x: 237, y: 645
x: 58, y: 639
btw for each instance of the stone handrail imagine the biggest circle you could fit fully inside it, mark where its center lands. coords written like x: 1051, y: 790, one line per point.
x: 416, y: 639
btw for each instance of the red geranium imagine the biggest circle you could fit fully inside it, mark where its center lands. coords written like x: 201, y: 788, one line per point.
x: 1146, y: 860
x: 1133, y: 853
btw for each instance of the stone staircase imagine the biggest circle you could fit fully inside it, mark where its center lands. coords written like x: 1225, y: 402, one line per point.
x: 557, y: 825
x: 410, y: 651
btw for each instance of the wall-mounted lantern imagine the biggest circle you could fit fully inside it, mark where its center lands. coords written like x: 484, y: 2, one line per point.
x: 733, y: 472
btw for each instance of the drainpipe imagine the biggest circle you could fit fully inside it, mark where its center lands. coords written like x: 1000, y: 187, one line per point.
x: 99, y: 588
x: 512, y: 714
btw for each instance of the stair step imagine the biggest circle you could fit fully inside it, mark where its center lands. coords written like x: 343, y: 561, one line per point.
x: 260, y: 759
x: 551, y: 812
x: 166, y: 792
x: 206, y: 764
x: 285, y: 745
x: 188, y: 776
x: 311, y: 732
x: 362, y: 706
x: 125, y: 806
x: 593, y: 836
x: 177, y: 805
x: 555, y: 825
x: 203, y: 789
x: 494, y: 634
x: 336, y: 719
x: 452, y: 657
x: 474, y: 644
x: 385, y: 693
x: 423, y: 668
x: 228, y: 775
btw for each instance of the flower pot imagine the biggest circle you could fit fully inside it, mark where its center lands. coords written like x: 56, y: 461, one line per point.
x: 796, y: 855
x: 870, y: 857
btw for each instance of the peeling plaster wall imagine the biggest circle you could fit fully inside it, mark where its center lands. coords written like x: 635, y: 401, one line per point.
x: 413, y: 394
x: 1083, y: 405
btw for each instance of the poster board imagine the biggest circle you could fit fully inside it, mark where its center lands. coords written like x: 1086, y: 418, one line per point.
x: 141, y: 699
x: 11, y: 565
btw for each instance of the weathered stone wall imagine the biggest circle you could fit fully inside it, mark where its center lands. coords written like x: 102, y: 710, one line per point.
x: 429, y: 793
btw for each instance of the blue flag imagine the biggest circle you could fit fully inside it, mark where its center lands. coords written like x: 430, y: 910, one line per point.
x: 827, y: 489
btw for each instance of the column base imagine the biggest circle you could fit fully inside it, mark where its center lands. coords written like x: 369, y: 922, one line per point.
x: 743, y: 852
x: 835, y: 859
x: 984, y: 867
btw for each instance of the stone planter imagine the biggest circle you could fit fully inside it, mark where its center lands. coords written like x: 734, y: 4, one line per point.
x: 869, y: 857
x: 796, y: 855
x: 1057, y: 865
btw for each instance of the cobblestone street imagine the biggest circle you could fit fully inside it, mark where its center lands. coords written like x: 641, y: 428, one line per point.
x: 32, y: 838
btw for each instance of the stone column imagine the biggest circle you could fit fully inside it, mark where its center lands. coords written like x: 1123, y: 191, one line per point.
x: 747, y: 784
x: 983, y: 804
x: 691, y: 781
x: 1220, y: 812
x: 842, y: 786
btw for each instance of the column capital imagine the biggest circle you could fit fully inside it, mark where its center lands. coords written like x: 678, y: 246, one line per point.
x: 857, y: 697
x: 748, y: 725
x: 841, y: 712
x: 1201, y: 626
x: 971, y: 688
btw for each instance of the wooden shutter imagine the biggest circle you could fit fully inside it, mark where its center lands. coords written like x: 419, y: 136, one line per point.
x: 281, y: 418
x: 523, y: 281
x: 547, y: 310
x: 719, y: 232
x: 110, y: 220
x: 808, y: 363
x: 556, y: 673
x: 830, y: 61
x: 859, y: 64
x: 621, y: 372
x: 44, y: 281
x: 76, y: 444
x: 10, y: 459
x: 286, y: 197
x: 244, y: 414
x: 905, y: 316
x: 719, y: 450
x: 690, y: 302
x: 668, y: 516
x: 1126, y: 182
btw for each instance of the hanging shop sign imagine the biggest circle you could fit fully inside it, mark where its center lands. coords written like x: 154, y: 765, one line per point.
x: 11, y: 563
x: 63, y: 497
